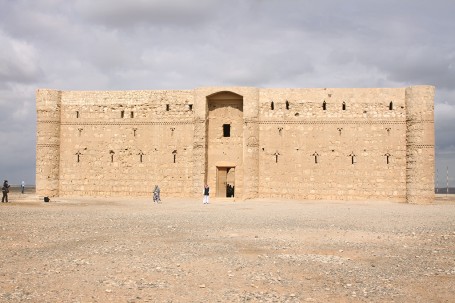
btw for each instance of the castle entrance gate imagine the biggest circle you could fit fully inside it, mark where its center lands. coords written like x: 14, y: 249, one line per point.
x: 224, y: 163
x: 225, y: 182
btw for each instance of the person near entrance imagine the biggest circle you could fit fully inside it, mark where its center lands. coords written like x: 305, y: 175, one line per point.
x: 206, y: 194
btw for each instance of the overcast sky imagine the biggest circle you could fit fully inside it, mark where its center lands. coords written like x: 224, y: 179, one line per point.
x: 183, y: 44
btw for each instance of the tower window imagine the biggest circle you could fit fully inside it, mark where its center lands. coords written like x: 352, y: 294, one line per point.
x: 272, y: 105
x: 190, y: 106
x: 343, y: 106
x: 287, y: 104
x: 122, y: 114
x: 226, y: 130
x: 391, y: 105
x: 324, y: 105
x: 77, y: 114
x: 132, y: 114
x: 167, y: 107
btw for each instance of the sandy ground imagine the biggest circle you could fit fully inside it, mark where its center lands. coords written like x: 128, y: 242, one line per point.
x: 131, y: 250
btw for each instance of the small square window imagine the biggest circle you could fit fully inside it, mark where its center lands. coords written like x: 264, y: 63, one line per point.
x: 226, y: 130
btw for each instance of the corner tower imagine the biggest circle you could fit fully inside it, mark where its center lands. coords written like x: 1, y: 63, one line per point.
x: 419, y: 144
x: 48, y: 103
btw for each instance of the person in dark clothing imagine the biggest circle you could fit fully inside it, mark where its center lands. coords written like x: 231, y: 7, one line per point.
x: 5, y: 191
x: 206, y: 194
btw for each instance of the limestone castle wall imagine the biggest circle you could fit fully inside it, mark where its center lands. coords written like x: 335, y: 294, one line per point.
x: 48, y: 107
x: 308, y: 152
x: 375, y: 144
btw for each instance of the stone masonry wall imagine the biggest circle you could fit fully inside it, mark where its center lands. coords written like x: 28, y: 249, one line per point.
x: 311, y: 153
x: 294, y: 143
x: 48, y: 142
x: 420, y: 144
x: 126, y: 142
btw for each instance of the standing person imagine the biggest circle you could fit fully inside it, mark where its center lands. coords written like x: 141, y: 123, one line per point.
x: 206, y: 194
x: 156, y: 194
x: 22, y: 186
x: 5, y: 191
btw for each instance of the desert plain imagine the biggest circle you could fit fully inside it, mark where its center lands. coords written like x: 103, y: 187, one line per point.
x: 129, y: 249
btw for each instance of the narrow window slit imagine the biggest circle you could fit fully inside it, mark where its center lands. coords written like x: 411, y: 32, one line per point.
x: 122, y: 114
x: 276, y: 156
x: 324, y: 105
x: 174, y: 153
x: 140, y: 156
x: 388, y: 157
x: 167, y: 107
x: 272, y: 105
x: 353, y: 158
x: 343, y: 106
x: 391, y: 105
x: 78, y: 154
x: 315, y: 155
x: 287, y: 104
x: 226, y: 130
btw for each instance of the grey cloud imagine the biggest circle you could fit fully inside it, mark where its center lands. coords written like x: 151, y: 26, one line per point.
x: 134, y: 12
x: 18, y: 61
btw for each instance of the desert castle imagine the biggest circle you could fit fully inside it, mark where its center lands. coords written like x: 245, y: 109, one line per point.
x: 245, y: 142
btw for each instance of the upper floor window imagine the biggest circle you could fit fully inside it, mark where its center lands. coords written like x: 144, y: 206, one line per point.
x: 226, y: 130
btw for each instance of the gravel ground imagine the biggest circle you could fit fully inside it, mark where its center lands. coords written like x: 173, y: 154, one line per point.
x: 131, y: 250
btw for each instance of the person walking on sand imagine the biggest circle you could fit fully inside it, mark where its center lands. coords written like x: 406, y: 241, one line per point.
x: 156, y: 194
x: 206, y: 194
x: 5, y: 191
x: 22, y: 186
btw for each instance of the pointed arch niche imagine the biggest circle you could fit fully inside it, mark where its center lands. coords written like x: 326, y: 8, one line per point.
x: 224, y: 111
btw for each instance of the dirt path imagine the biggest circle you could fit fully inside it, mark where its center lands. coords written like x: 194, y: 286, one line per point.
x: 130, y: 250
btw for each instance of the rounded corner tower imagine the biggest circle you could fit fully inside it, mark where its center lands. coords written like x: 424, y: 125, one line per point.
x: 48, y: 142
x: 419, y: 144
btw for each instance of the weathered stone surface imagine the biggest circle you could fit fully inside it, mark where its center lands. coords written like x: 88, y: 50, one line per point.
x: 326, y: 143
